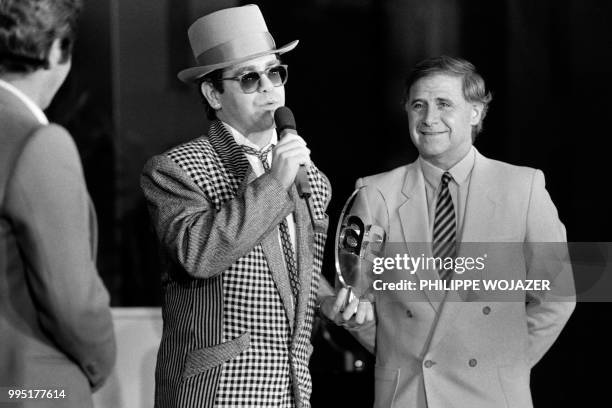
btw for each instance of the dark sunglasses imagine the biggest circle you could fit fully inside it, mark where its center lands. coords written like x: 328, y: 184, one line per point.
x: 250, y: 81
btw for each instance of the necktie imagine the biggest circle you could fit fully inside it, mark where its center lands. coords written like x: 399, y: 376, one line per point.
x: 283, y: 227
x: 445, y: 226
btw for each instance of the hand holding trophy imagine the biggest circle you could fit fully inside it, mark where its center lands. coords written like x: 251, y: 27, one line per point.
x: 360, y: 237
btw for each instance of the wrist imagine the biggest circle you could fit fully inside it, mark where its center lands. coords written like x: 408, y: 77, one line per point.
x: 320, y: 309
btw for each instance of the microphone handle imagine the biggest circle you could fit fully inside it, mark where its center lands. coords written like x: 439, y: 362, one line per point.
x: 301, y: 179
x: 302, y: 183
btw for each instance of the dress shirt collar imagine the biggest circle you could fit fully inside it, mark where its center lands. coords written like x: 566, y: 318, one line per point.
x: 29, y: 103
x: 459, y: 171
x: 243, y: 141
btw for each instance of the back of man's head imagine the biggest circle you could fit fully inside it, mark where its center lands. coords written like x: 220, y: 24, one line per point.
x: 28, y: 28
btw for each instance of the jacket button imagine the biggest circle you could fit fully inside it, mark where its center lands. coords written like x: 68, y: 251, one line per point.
x: 429, y: 363
x: 472, y: 362
x: 409, y: 313
x: 486, y: 310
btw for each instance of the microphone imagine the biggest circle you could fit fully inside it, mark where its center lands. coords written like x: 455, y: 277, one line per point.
x: 285, y: 123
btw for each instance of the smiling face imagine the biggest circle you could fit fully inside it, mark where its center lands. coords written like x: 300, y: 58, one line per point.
x: 440, y: 119
x: 252, y: 112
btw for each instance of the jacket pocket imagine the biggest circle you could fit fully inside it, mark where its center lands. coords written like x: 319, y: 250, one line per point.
x: 200, y: 360
x: 385, y: 386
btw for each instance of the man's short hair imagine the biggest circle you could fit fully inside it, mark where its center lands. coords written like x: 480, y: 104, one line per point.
x: 28, y: 29
x: 474, y: 89
x: 214, y: 79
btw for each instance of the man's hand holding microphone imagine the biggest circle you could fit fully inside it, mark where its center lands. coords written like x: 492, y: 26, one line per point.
x: 287, y: 157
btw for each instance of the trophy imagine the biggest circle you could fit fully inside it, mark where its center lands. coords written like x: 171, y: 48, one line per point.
x: 360, y: 237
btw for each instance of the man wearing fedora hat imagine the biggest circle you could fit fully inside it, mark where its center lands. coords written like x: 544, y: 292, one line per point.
x: 243, y: 257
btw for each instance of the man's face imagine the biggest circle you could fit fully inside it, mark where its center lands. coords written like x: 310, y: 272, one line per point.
x: 253, y: 112
x: 440, y: 119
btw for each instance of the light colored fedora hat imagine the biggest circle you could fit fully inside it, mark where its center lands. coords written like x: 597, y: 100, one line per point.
x: 228, y: 37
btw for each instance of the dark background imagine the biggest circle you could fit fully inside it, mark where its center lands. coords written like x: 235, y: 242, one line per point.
x: 547, y: 63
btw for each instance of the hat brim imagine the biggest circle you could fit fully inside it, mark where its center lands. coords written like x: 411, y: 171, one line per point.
x: 192, y: 74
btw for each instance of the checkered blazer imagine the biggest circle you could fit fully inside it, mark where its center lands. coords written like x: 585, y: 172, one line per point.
x: 232, y: 334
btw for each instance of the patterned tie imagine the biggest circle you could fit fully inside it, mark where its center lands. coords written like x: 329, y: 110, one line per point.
x: 283, y: 227
x: 445, y: 226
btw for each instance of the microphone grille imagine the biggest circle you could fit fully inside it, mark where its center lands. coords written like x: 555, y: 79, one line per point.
x: 284, y: 119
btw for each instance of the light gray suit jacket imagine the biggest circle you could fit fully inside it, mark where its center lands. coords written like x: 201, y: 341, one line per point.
x: 56, y: 330
x: 464, y: 350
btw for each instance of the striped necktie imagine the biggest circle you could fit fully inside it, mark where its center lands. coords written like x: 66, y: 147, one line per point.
x: 445, y: 226
x: 283, y: 227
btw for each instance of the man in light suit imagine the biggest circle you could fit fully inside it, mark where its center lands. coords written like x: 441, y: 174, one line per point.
x: 462, y: 348
x: 56, y: 330
x: 243, y: 260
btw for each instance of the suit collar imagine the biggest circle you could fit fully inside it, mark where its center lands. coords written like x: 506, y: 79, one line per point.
x: 240, y: 139
x: 229, y: 152
x: 460, y: 171
x: 20, y: 98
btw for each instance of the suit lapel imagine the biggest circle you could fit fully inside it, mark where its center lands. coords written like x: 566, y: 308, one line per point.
x: 414, y: 218
x: 276, y: 263
x: 304, y: 255
x: 231, y: 155
x: 16, y: 107
x: 481, y: 202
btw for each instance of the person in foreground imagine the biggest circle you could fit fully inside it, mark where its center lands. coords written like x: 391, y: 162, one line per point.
x: 243, y: 260
x: 459, y: 348
x: 56, y: 331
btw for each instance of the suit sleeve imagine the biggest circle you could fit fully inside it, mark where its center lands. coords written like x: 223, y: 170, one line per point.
x: 547, y: 258
x: 50, y: 207
x: 203, y: 240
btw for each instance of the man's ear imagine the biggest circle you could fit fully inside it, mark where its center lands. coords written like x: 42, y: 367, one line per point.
x: 55, y: 54
x: 211, y: 94
x: 476, y: 117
